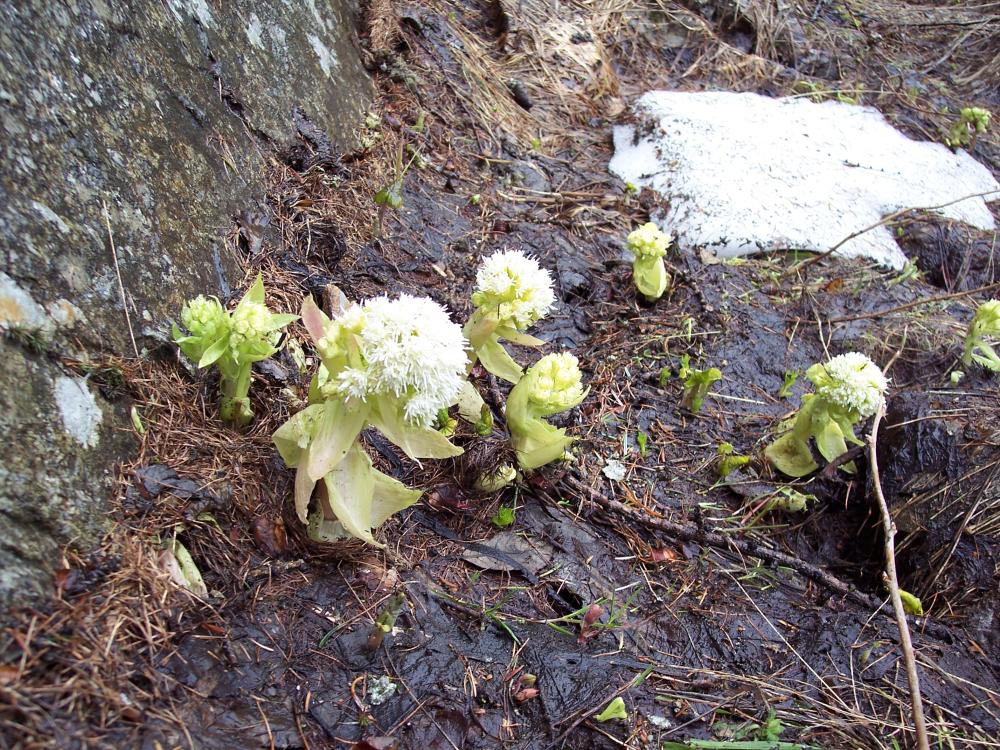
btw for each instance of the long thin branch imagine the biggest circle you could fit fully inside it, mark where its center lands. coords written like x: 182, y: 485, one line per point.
x: 881, y: 222
x: 915, y: 303
x: 897, y: 602
x: 727, y: 542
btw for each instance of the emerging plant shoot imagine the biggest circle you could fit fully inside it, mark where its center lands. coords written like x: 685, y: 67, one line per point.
x: 696, y: 384
x: 550, y: 386
x: 512, y: 294
x: 648, y: 245
x: 849, y: 389
x: 232, y: 342
x: 391, y: 364
x: 972, y: 123
x: 986, y: 322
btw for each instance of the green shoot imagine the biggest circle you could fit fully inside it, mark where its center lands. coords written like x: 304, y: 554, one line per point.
x: 985, y: 323
x: 791, y: 376
x: 696, y: 384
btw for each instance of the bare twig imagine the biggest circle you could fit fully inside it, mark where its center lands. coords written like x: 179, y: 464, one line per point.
x: 897, y: 602
x: 916, y: 303
x: 118, y: 272
x: 882, y: 222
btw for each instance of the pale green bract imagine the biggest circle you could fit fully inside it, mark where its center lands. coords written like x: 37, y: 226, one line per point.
x: 391, y: 364
x: 232, y: 342
x: 512, y: 293
x: 648, y: 245
x: 985, y: 323
x: 849, y: 389
x: 550, y: 386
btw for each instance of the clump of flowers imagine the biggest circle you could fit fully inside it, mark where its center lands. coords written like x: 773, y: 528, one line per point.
x: 391, y: 364
x: 972, y: 123
x: 985, y: 323
x: 232, y: 342
x: 648, y: 245
x: 550, y: 386
x: 849, y: 389
x: 512, y: 294
x: 696, y: 384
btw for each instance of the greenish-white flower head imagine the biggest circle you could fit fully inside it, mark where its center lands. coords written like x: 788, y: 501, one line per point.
x: 204, y: 317
x: 977, y: 117
x: 851, y: 382
x: 648, y: 241
x: 987, y: 319
x: 515, y: 288
x: 407, y: 348
x: 556, y: 383
x: 251, y: 325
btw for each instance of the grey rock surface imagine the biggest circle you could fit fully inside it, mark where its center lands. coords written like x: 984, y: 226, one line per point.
x: 167, y: 112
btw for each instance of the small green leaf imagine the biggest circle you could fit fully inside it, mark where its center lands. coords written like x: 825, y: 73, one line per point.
x: 642, y: 439
x: 504, y: 516
x: 911, y: 604
x: 614, y: 710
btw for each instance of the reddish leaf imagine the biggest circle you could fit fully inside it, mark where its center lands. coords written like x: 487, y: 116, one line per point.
x: 663, y: 554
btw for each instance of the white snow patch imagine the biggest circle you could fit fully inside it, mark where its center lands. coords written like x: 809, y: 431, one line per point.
x: 746, y: 173
x: 614, y: 469
x: 81, y: 416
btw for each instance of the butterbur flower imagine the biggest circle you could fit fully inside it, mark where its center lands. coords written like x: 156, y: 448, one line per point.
x: 391, y: 364
x: 849, y: 389
x: 985, y: 323
x: 232, y: 342
x: 648, y: 245
x: 512, y: 293
x: 550, y: 386
x: 850, y: 382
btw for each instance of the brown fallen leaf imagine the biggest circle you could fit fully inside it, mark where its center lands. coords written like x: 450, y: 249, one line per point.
x: 270, y: 535
x: 662, y: 554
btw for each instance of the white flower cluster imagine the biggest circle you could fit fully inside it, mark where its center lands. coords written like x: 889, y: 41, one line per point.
x: 648, y: 241
x: 851, y: 381
x: 556, y: 385
x: 516, y: 287
x: 409, y: 349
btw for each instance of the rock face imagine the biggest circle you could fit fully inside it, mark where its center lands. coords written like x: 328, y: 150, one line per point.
x: 151, y: 126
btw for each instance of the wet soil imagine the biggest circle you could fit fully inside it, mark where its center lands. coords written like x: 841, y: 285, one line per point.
x: 492, y: 644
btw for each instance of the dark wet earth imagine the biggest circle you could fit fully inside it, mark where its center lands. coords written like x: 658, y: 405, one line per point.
x: 492, y: 644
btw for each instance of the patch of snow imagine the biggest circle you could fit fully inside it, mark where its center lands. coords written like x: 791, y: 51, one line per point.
x: 81, y: 416
x: 614, y: 469
x: 380, y: 690
x: 746, y: 173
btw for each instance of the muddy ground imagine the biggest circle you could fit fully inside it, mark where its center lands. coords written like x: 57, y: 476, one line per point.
x: 719, y: 621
